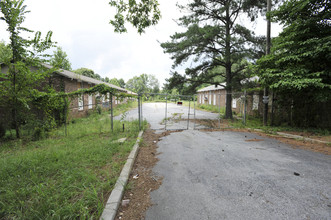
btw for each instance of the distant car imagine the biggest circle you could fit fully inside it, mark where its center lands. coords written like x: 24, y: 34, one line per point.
x: 179, y: 103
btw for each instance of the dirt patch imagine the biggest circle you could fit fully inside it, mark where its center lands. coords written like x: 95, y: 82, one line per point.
x: 301, y: 144
x: 324, y: 148
x: 294, y: 143
x: 142, y: 180
x: 311, y: 135
x: 212, y: 123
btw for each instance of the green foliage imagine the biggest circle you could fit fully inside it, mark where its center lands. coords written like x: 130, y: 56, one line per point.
x: 20, y: 81
x: 64, y: 177
x: 6, y: 53
x: 301, y: 54
x: 121, y: 83
x: 214, y: 39
x: 141, y: 14
x: 143, y: 84
x: 298, y: 68
x: 2, y: 131
x: 60, y: 59
x: 87, y: 72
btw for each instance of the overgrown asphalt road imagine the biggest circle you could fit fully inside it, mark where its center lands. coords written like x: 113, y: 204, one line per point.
x: 236, y: 175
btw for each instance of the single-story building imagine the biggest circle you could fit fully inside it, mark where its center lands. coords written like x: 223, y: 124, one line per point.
x: 67, y: 81
x: 216, y: 95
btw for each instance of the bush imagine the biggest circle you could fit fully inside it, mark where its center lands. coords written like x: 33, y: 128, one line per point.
x: 38, y: 134
x: 98, y: 110
x: 2, y: 131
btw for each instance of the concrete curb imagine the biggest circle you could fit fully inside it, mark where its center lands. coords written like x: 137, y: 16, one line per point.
x: 114, y: 200
x: 296, y: 137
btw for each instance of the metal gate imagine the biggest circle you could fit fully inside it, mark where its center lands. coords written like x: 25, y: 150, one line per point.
x: 178, y: 110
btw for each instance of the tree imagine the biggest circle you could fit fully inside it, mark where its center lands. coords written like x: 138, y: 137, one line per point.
x: 121, y: 83
x: 213, y: 38
x: 140, y: 14
x: 298, y: 68
x: 153, y: 84
x: 113, y: 81
x: 19, y: 83
x: 5, y: 53
x: 87, y: 72
x: 60, y: 59
x: 143, y: 84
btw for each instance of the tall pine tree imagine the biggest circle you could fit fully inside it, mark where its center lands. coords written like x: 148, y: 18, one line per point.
x: 214, y: 38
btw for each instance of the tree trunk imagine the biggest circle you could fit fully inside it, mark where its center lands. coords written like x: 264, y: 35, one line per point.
x: 228, y: 107
x: 14, y: 107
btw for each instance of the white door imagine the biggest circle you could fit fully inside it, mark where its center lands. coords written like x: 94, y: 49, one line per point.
x: 81, y: 103
x: 90, y: 102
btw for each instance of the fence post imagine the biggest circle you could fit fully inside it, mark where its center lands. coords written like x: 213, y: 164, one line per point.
x: 219, y: 109
x: 194, y: 111
x: 65, y: 115
x: 139, y: 112
x: 189, y: 111
x: 111, y: 113
x: 245, y: 107
x: 165, y: 120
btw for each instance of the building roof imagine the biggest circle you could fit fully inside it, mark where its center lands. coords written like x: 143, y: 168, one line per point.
x: 213, y: 88
x: 78, y: 77
x: 222, y: 85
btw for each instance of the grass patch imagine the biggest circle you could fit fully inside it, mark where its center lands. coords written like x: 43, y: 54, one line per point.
x: 257, y: 123
x: 64, y: 177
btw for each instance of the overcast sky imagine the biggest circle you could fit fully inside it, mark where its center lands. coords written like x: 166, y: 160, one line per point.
x: 82, y: 29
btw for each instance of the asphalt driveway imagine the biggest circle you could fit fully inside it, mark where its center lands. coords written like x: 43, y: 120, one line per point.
x: 235, y: 175
x: 155, y: 113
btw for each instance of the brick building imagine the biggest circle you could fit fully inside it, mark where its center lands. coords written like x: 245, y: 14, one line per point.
x: 67, y: 81
x: 216, y: 96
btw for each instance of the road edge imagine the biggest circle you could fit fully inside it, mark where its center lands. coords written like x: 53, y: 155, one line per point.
x: 283, y: 134
x: 114, y: 200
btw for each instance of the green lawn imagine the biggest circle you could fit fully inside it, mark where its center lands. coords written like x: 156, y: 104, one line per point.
x: 64, y: 177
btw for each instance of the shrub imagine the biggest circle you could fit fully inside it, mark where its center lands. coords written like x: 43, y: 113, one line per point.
x: 2, y: 131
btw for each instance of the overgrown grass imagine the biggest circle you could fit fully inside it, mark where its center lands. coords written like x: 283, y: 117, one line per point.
x: 63, y: 177
x: 257, y: 123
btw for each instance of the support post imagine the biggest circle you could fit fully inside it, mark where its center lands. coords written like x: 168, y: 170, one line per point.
x: 219, y: 109
x: 188, y: 115
x: 65, y: 115
x: 194, y: 113
x: 139, y: 112
x: 166, y: 109
x: 265, y: 92
x: 245, y: 107
x: 111, y: 113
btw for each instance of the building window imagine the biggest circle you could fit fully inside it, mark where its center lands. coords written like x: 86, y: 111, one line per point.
x: 214, y: 99
x: 81, y: 103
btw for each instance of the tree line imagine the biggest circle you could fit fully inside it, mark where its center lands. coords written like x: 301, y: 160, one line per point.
x: 219, y: 48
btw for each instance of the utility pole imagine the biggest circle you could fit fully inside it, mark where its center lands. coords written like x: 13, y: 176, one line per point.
x: 265, y: 92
